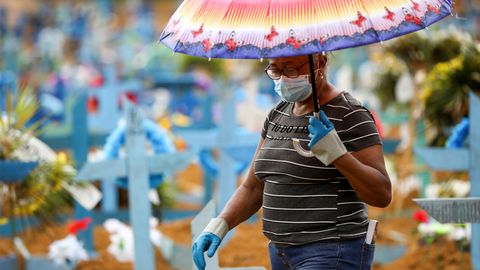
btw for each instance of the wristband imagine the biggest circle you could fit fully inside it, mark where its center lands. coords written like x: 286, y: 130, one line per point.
x: 329, y: 148
x: 217, y: 226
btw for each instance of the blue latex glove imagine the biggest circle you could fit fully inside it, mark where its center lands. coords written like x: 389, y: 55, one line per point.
x: 459, y: 134
x: 324, y: 141
x: 318, y: 128
x: 205, y: 241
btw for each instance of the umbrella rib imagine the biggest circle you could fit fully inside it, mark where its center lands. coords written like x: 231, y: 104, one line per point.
x: 219, y: 36
x: 267, y: 23
x: 370, y: 20
x: 415, y: 13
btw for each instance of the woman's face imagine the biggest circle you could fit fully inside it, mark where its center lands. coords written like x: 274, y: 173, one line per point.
x: 300, y: 63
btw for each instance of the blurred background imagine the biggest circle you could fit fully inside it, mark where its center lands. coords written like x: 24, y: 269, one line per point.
x: 59, y: 56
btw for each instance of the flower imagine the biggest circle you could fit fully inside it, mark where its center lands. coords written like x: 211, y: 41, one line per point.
x: 122, y: 239
x: 435, y: 228
x: 426, y: 229
x: 460, y: 188
x: 460, y: 233
x: 66, y: 251
x: 421, y: 216
x: 432, y: 191
x: 452, y: 188
x: 79, y: 225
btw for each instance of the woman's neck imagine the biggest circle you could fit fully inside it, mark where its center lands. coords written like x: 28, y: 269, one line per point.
x: 325, y: 93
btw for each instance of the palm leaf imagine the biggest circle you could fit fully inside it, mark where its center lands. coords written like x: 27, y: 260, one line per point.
x: 3, y: 126
x: 25, y: 109
x: 9, y: 109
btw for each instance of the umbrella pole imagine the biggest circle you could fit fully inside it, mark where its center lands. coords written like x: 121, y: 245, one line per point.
x: 296, y: 142
x: 314, y: 85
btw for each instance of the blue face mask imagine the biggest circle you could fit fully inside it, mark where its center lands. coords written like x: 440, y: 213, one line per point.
x: 291, y: 90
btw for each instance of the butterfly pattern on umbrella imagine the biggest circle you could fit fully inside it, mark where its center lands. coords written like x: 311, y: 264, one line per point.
x: 273, y: 33
x: 387, y: 22
x: 390, y: 15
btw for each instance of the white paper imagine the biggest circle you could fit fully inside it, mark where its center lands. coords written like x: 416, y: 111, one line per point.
x: 87, y: 195
x: 153, y: 196
x: 20, y: 246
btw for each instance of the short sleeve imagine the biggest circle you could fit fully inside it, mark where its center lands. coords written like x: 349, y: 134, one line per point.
x: 358, y: 129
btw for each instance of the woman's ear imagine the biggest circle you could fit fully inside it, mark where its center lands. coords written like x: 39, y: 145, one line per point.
x: 322, y: 61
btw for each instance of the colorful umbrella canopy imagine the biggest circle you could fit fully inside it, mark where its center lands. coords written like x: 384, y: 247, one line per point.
x: 269, y: 29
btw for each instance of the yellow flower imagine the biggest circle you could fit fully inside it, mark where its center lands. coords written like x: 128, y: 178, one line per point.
x: 165, y: 123
x: 62, y: 157
x: 425, y: 94
x: 3, y: 221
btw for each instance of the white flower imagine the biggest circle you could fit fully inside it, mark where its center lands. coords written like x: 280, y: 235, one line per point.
x: 122, y: 239
x: 114, y: 225
x: 67, y: 250
x: 432, y: 191
x: 156, y: 237
x: 468, y: 229
x: 460, y: 188
x: 426, y: 229
x: 121, y: 246
x: 457, y: 234
x: 434, y: 228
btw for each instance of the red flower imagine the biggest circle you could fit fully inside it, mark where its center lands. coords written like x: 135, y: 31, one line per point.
x: 131, y: 96
x: 92, y: 104
x: 420, y: 216
x: 79, y: 225
x: 97, y: 81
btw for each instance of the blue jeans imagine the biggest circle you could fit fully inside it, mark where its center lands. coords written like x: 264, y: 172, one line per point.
x: 340, y: 255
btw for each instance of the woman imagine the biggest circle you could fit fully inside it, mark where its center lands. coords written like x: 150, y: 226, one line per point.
x: 314, y: 210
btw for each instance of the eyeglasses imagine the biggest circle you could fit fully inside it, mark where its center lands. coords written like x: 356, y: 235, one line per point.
x: 275, y: 73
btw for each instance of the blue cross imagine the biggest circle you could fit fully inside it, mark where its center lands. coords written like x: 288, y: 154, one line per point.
x: 226, y: 139
x: 137, y: 166
x: 466, y: 159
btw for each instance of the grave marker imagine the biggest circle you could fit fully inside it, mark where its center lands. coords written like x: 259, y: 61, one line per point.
x: 137, y: 166
x: 458, y: 209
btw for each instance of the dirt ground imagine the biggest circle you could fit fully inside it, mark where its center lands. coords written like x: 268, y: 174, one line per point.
x: 248, y: 247
x: 37, y: 242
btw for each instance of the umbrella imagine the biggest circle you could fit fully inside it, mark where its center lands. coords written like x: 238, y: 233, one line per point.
x: 258, y: 29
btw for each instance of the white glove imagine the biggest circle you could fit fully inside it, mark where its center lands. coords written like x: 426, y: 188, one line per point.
x: 325, y: 143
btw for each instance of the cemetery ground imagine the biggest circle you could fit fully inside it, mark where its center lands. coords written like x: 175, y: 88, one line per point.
x: 249, y: 247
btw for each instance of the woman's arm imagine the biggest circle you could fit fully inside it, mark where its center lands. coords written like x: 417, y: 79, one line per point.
x: 365, y: 170
x: 246, y: 200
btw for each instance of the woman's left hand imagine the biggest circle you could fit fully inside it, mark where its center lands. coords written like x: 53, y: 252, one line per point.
x: 324, y: 142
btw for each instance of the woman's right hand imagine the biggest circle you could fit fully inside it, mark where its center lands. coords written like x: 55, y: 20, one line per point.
x: 205, y: 241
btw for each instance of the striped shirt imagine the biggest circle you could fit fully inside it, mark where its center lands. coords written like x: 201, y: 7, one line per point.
x: 303, y: 200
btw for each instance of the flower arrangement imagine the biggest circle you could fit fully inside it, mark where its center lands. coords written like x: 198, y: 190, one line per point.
x: 122, y: 240
x: 40, y: 192
x: 452, y: 188
x: 450, y: 60
x: 69, y: 250
x: 421, y: 51
x: 445, y: 91
x: 430, y: 230
x: 387, y: 78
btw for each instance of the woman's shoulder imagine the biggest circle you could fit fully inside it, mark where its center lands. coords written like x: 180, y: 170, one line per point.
x: 345, y: 100
x: 345, y: 104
